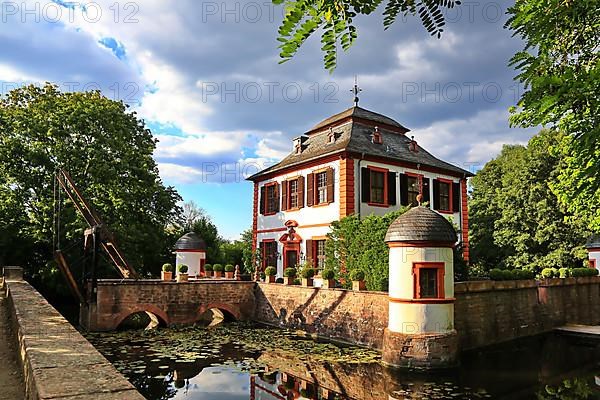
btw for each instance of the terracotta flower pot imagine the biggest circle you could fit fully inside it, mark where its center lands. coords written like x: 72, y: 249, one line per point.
x: 328, y: 283
x: 229, y: 275
x: 359, y: 286
x: 307, y: 282
x: 218, y: 274
x: 166, y: 276
x: 182, y: 278
x: 270, y: 279
x: 208, y: 274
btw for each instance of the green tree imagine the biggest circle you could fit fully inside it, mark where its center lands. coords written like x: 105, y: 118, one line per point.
x: 247, y: 253
x: 560, y: 68
x: 208, y: 231
x: 358, y: 244
x: 232, y: 252
x: 516, y: 220
x: 335, y: 19
x: 108, y: 152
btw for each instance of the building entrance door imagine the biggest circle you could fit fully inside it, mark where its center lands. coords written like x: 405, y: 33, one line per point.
x: 291, y: 259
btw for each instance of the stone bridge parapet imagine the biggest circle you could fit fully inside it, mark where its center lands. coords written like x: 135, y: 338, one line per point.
x: 171, y: 302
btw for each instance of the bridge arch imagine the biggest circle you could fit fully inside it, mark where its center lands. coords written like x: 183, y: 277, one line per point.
x: 233, y: 311
x: 161, y: 315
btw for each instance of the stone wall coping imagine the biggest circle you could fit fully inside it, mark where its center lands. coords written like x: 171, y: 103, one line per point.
x: 361, y: 292
x: 57, y: 361
x: 489, y: 285
x: 124, y: 282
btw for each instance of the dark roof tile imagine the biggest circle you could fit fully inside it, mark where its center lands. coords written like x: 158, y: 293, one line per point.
x: 190, y: 241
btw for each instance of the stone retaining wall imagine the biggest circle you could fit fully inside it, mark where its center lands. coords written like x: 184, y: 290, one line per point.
x: 357, y: 317
x: 489, y: 312
x: 486, y: 312
x: 59, y: 363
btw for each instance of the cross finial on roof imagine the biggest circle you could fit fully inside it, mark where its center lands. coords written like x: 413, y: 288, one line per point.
x: 356, y: 90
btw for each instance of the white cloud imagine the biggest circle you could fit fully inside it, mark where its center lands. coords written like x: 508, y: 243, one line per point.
x: 470, y: 142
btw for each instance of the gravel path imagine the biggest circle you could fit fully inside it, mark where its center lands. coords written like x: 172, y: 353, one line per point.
x: 11, y: 379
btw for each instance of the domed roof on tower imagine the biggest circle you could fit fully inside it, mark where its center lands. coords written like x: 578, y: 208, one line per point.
x: 421, y: 224
x: 190, y: 241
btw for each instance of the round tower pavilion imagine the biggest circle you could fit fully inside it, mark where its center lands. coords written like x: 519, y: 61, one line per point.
x: 190, y: 249
x: 420, y: 329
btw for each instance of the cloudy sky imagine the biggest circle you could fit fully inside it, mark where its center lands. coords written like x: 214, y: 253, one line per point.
x: 205, y: 77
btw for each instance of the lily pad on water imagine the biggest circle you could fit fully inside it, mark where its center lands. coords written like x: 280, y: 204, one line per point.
x: 236, y: 345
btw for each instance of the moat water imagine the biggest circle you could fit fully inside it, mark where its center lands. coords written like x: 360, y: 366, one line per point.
x: 240, y: 361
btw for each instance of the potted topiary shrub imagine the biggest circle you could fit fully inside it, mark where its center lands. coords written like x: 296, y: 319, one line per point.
x: 229, y: 271
x: 358, y: 280
x: 218, y: 270
x: 167, y: 272
x: 307, y: 276
x: 328, y: 278
x: 208, y: 270
x: 290, y: 275
x: 182, y: 275
x: 270, y: 273
x: 547, y: 277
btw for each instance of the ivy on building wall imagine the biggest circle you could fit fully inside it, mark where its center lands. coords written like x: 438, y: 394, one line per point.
x: 358, y: 244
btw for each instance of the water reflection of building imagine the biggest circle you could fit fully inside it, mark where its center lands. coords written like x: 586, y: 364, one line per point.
x: 543, y: 360
x: 304, y: 378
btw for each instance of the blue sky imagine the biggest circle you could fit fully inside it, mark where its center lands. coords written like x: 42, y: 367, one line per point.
x: 206, y: 79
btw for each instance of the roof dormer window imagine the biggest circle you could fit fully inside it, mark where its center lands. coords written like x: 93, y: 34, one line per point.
x: 299, y: 144
x: 332, y: 136
x: 413, y: 145
x: 376, y: 136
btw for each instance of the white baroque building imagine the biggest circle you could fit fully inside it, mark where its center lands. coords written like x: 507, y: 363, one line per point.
x: 355, y: 162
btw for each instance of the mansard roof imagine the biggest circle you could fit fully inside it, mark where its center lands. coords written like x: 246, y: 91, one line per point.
x: 353, y: 130
x: 593, y: 242
x: 358, y: 113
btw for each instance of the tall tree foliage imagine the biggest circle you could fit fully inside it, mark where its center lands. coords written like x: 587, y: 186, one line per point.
x: 560, y: 68
x: 335, y: 18
x: 108, y: 152
x: 516, y: 220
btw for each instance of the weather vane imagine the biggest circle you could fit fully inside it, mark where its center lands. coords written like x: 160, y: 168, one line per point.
x: 356, y: 90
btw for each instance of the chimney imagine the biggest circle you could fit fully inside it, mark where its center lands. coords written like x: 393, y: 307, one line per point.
x: 299, y: 143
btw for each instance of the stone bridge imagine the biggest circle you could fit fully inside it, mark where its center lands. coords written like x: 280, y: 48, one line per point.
x: 171, y: 302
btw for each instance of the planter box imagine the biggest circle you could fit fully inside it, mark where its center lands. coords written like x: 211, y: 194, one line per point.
x: 359, y: 286
x: 328, y: 283
x: 307, y: 282
x: 182, y: 278
x: 270, y: 279
x: 208, y: 274
x: 229, y: 275
x: 218, y: 274
x: 289, y: 280
x: 166, y: 276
